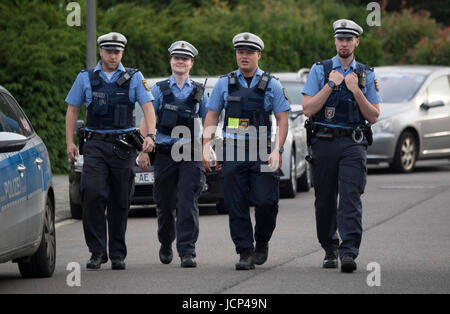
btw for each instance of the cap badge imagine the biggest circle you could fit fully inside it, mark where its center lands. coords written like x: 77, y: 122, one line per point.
x: 344, y: 24
x: 182, y: 45
x: 246, y: 36
x: 115, y: 37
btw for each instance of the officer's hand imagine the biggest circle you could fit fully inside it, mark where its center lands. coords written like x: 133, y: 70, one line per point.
x: 275, y: 160
x: 351, y: 80
x: 72, y: 152
x: 336, y: 77
x: 207, y: 157
x: 148, y: 145
x: 144, y: 161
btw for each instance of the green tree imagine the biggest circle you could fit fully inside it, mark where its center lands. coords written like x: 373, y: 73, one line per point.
x: 40, y: 56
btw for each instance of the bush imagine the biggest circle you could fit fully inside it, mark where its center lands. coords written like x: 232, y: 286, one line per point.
x: 403, y: 30
x: 40, y: 56
x: 432, y: 50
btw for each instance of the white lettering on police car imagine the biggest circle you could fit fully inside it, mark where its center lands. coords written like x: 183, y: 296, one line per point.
x: 12, y: 188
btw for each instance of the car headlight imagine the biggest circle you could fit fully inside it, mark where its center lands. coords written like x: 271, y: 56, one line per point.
x: 383, y: 126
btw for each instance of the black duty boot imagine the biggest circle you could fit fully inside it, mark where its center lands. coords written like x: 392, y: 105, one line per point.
x: 97, y: 259
x: 348, y: 264
x: 246, y: 260
x: 261, y: 253
x: 188, y: 261
x: 330, y: 260
x: 165, y: 254
x: 117, y: 264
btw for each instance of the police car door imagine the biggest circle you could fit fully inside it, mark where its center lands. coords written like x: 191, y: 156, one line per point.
x: 32, y: 161
x: 13, y: 193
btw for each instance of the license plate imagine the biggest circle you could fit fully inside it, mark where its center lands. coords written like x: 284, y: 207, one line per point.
x: 144, y: 178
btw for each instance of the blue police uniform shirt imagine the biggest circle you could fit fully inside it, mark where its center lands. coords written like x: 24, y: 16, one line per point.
x: 316, y: 80
x: 274, y: 99
x: 183, y: 93
x: 81, y: 91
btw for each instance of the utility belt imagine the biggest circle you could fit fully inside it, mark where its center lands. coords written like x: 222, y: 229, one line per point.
x: 128, y: 141
x: 106, y: 137
x: 320, y: 131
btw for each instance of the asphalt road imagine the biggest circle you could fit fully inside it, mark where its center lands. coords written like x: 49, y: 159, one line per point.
x: 406, y: 232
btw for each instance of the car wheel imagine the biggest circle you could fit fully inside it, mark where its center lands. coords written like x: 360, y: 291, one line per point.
x: 221, y: 207
x: 305, y: 181
x: 42, y: 263
x: 290, y: 190
x: 405, y: 154
x: 76, y: 210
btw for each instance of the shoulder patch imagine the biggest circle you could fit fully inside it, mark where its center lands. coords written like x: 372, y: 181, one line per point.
x: 376, y: 85
x: 285, y: 94
x: 147, y: 87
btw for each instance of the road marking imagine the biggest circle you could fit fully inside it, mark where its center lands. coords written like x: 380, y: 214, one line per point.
x: 65, y: 223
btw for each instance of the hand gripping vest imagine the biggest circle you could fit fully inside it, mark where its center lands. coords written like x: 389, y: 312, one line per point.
x: 341, y: 109
x: 111, y: 108
x: 245, y: 106
x: 175, y: 111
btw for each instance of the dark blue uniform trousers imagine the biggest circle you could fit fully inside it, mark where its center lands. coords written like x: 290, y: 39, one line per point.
x: 177, y: 188
x: 339, y: 169
x: 106, y: 183
x: 244, y: 185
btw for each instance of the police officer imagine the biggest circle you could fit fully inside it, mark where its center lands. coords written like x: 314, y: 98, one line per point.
x: 179, y: 102
x: 341, y: 98
x: 109, y: 91
x: 249, y: 97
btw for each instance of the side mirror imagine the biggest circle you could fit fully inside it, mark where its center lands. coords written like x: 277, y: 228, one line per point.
x: 295, y: 114
x: 296, y: 110
x: 433, y: 104
x: 11, y: 142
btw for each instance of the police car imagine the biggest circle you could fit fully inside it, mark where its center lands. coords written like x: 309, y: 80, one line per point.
x: 27, y: 212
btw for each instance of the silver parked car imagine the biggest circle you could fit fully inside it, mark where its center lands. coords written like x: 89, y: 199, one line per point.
x: 414, y: 122
x: 27, y: 211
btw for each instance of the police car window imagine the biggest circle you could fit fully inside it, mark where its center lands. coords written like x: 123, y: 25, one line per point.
x: 399, y: 87
x: 439, y: 90
x: 12, y: 118
x: 294, y: 91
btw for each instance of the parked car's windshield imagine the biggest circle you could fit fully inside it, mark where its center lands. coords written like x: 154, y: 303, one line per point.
x: 399, y: 87
x: 294, y: 91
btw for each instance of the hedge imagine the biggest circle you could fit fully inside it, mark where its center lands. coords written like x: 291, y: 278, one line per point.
x: 40, y: 56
